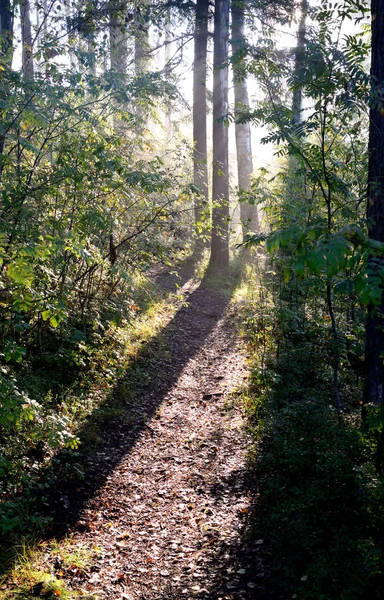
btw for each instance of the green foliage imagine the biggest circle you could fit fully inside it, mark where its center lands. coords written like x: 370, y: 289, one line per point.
x: 320, y: 497
x: 87, y: 204
x: 319, y: 464
x: 318, y: 236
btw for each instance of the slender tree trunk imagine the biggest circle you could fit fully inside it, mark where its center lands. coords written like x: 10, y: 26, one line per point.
x: 167, y: 73
x: 200, y: 110
x: 118, y: 42
x: 374, y: 382
x: 91, y: 46
x: 87, y: 32
x: 248, y: 212
x: 26, y: 38
x: 297, y: 97
x: 141, y: 38
x: 141, y: 48
x: 72, y: 42
x: 118, y: 50
x: 6, y: 31
x: 220, y: 179
x: 6, y: 51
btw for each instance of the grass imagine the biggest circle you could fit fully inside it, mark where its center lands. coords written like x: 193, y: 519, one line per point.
x: 34, y: 575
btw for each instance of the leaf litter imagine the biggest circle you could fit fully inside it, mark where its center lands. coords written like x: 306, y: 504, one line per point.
x: 169, y: 520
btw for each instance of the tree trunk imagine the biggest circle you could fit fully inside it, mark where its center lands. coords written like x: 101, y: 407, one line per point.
x: 374, y: 348
x: 118, y: 43
x: 220, y: 180
x: 91, y: 47
x: 87, y: 33
x: 248, y: 212
x: 141, y: 38
x: 26, y: 39
x: 167, y: 73
x: 141, y: 50
x: 200, y: 110
x: 72, y: 42
x: 6, y: 51
x: 6, y: 31
x: 118, y: 50
x: 297, y: 97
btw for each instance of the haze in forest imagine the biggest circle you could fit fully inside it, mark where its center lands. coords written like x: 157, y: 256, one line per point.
x: 191, y: 299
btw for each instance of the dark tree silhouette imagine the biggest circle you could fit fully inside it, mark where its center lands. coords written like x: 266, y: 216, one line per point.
x: 375, y: 207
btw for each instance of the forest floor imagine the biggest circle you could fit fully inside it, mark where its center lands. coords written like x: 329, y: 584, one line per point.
x: 163, y: 511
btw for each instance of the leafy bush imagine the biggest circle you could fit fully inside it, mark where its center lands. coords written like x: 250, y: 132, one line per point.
x: 320, y: 495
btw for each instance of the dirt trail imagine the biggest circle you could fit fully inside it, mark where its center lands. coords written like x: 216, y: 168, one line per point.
x: 169, y: 517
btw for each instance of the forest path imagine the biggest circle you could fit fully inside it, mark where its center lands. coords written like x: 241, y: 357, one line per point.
x: 169, y: 520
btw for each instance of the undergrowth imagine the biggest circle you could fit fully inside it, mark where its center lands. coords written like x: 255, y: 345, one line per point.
x: 99, y: 391
x: 320, y: 496
x: 36, y: 575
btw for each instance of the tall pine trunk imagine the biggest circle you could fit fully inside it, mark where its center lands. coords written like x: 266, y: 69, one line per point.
x: 6, y: 32
x: 167, y: 74
x: 118, y: 50
x: 220, y: 179
x: 374, y: 348
x: 248, y: 212
x: 6, y: 51
x: 26, y: 39
x: 118, y: 42
x: 141, y: 39
x: 297, y: 96
x: 200, y: 109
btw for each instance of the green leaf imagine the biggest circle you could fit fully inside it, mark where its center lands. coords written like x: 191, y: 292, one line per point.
x: 21, y: 272
x: 54, y: 321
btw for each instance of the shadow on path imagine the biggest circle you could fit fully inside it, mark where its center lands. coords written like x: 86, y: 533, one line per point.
x: 238, y: 566
x: 152, y: 373
x: 235, y: 565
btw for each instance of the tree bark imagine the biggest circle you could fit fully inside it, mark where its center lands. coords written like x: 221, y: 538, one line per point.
x: 91, y: 46
x: 297, y: 97
x: 72, y: 42
x: 6, y: 51
x: 6, y: 31
x: 118, y: 50
x: 220, y: 180
x: 118, y: 42
x: 167, y: 73
x: 26, y: 39
x: 200, y: 110
x: 374, y: 348
x: 141, y: 38
x: 248, y: 212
